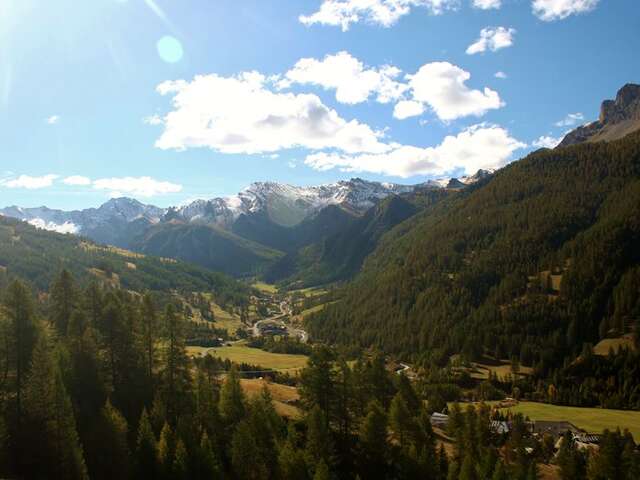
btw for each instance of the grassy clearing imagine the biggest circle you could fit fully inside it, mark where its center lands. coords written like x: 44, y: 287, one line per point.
x: 240, y: 353
x: 310, y: 291
x: 593, y: 420
x: 603, y: 346
x: 281, y: 394
x: 265, y: 287
x: 481, y: 371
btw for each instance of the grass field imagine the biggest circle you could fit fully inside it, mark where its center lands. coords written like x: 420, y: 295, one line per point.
x: 593, y: 420
x: 240, y: 353
x: 281, y: 394
x: 603, y: 346
x: 265, y: 287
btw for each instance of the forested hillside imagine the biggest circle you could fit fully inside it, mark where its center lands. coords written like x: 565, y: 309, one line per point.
x: 37, y: 255
x: 340, y: 255
x: 532, y: 264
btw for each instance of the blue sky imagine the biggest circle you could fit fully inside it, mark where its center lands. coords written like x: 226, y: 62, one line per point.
x: 168, y: 100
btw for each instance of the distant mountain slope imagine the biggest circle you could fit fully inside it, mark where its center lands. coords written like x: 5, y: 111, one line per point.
x: 208, y: 246
x: 618, y: 118
x: 340, y: 256
x: 38, y: 255
x: 237, y: 234
x: 469, y: 276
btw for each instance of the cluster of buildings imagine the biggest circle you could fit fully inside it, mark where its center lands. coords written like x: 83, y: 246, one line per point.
x: 538, y: 429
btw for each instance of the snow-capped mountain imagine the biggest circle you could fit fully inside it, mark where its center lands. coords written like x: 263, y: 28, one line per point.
x: 118, y: 210
x: 283, y: 204
x: 287, y: 204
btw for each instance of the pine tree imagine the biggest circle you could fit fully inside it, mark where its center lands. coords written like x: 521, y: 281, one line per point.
x: 112, y: 461
x: 208, y: 465
x: 51, y: 442
x: 149, y: 334
x: 319, y: 444
x: 166, y: 451
x: 176, y: 374
x: 146, y: 452
x: 373, y: 441
x: 22, y: 335
x: 180, y: 468
x: 244, y: 451
x: 400, y: 419
x: 317, y: 381
x: 232, y: 400
x: 322, y: 471
x: 64, y: 298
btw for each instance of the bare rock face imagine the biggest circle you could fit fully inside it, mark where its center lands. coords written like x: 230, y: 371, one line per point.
x: 618, y: 118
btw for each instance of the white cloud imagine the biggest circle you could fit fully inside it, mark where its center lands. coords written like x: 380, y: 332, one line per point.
x: 500, y: 74
x: 66, y: 227
x: 487, y: 4
x: 480, y: 146
x: 546, y: 141
x: 53, y: 119
x: 441, y: 86
x: 492, y: 39
x: 77, y: 181
x: 29, y: 182
x: 343, y: 13
x: 351, y: 79
x: 550, y: 10
x: 408, y: 108
x: 135, y: 186
x: 243, y: 114
x: 152, y: 120
x: 570, y: 119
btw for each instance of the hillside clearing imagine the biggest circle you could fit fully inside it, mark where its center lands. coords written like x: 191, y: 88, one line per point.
x: 283, y: 395
x: 593, y: 420
x: 240, y: 353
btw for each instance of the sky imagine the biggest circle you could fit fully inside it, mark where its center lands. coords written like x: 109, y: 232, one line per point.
x: 167, y: 101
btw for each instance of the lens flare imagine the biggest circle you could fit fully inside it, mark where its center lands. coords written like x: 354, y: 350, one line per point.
x: 170, y: 49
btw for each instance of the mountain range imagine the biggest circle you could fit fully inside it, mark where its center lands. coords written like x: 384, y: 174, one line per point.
x: 243, y: 234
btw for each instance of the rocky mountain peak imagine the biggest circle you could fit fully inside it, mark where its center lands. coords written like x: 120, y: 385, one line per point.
x: 617, y: 118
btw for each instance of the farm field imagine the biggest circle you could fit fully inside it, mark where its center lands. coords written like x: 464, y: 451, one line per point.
x: 593, y: 420
x: 240, y: 353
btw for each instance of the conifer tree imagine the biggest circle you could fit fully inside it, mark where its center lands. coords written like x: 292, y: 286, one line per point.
x: 322, y: 471
x: 319, y: 444
x: 22, y: 335
x: 146, y: 452
x: 51, y: 444
x: 400, y: 419
x: 149, y: 334
x: 180, y: 468
x: 373, y: 441
x: 232, y: 399
x: 166, y: 451
x: 64, y: 298
x: 176, y: 375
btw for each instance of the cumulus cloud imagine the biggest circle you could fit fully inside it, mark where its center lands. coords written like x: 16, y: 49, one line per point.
x: 480, y: 146
x: 344, y: 13
x: 570, y: 119
x: 77, y: 181
x: 492, y: 39
x: 348, y: 76
x: 244, y: 114
x: 500, y: 74
x: 408, y: 108
x: 29, y: 182
x: 442, y: 86
x: 550, y: 10
x: 546, y: 141
x: 487, y: 4
x: 53, y: 119
x: 135, y: 186
x: 66, y: 227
